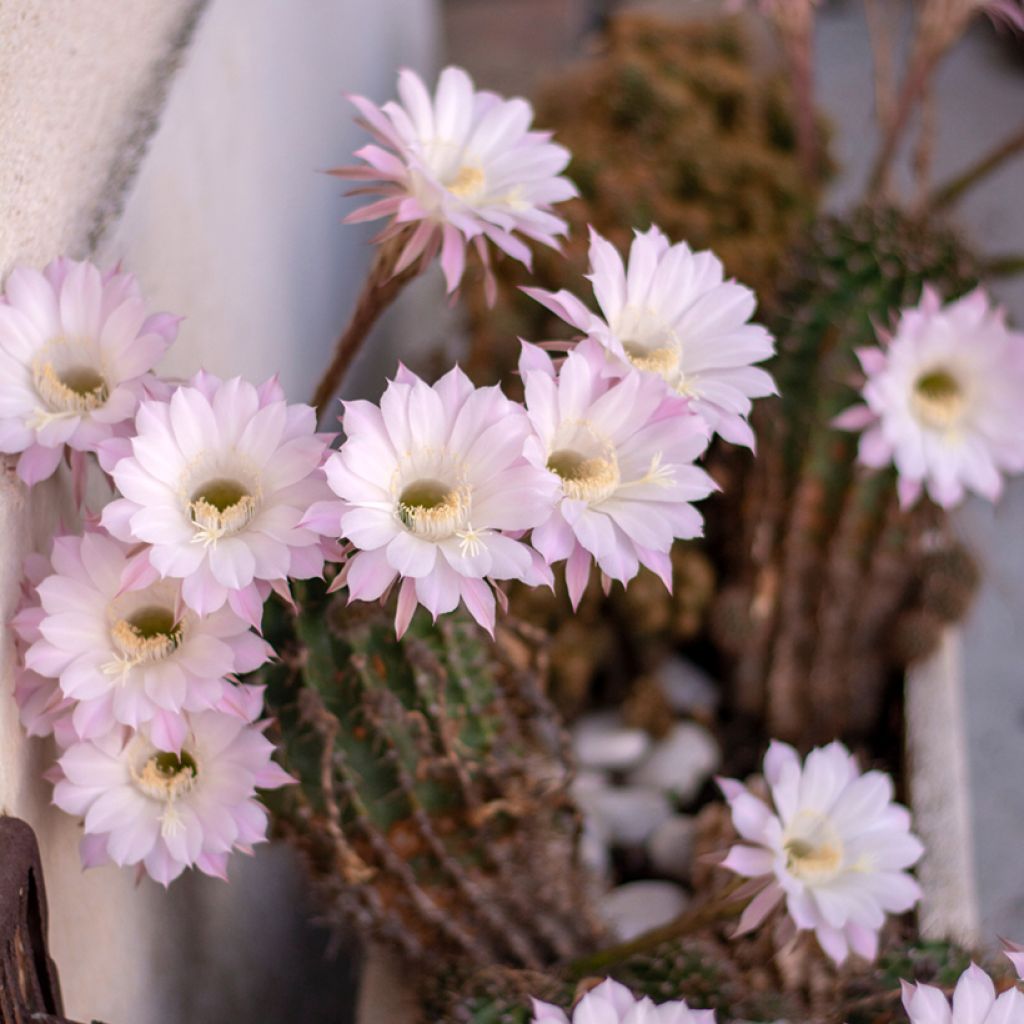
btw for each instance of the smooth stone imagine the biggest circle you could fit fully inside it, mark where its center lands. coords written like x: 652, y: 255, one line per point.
x: 600, y: 740
x: 680, y: 763
x: 630, y: 910
x: 670, y: 847
x: 628, y: 814
x: 688, y: 689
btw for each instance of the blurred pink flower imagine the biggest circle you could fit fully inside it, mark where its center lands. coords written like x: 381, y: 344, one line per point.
x: 613, y: 1003
x: 943, y: 400
x: 132, y: 653
x: 621, y: 450
x: 462, y: 166
x: 672, y: 314
x: 168, y: 811
x: 835, y: 847
x: 974, y: 1002
x: 217, y: 481
x: 75, y: 346
x: 435, y: 482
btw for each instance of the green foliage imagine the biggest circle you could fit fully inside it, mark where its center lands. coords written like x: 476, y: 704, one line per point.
x: 431, y: 800
x: 829, y: 588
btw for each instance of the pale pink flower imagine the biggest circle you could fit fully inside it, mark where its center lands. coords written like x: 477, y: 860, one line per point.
x: 218, y: 479
x: 974, y: 1002
x: 943, y: 400
x: 613, y: 1003
x: 435, y: 483
x: 1015, y: 954
x: 462, y: 166
x: 621, y: 450
x: 672, y: 314
x: 75, y: 347
x: 132, y: 653
x: 835, y: 847
x: 168, y: 811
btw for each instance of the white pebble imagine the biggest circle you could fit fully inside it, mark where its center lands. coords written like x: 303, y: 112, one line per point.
x: 670, y: 847
x: 680, y: 763
x: 600, y: 740
x: 634, y: 908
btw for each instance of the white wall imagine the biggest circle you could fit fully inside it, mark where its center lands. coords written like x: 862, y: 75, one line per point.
x: 229, y: 223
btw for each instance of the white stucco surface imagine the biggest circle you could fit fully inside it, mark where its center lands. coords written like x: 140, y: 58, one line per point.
x: 229, y: 223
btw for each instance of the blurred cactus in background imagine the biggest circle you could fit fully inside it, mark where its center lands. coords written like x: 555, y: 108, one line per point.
x: 673, y: 124
x: 828, y: 587
x: 432, y: 805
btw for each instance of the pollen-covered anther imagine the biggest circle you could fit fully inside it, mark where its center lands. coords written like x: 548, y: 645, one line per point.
x: 79, y: 389
x: 150, y: 634
x: 433, y: 510
x: 222, y: 507
x: 662, y: 360
x: 585, y: 478
x: 165, y: 776
x: 938, y: 399
x: 468, y: 183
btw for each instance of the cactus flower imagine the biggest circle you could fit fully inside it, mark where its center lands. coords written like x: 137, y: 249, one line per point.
x: 461, y: 166
x: 613, y: 1003
x: 167, y: 811
x: 942, y: 400
x: 621, y: 450
x: 671, y: 313
x: 132, y: 654
x: 216, y: 480
x: 75, y: 348
x: 835, y: 847
x: 436, y: 486
x: 974, y: 1002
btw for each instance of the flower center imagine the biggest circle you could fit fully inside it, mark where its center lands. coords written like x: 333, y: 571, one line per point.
x: 468, y: 183
x: 150, y: 634
x: 165, y: 776
x: 814, y: 851
x: 75, y: 389
x: 662, y: 360
x: 432, y: 510
x: 221, y: 507
x: 585, y: 478
x: 938, y: 399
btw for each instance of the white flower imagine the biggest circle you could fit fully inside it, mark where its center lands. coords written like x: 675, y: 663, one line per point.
x: 943, y: 400
x: 612, y: 1003
x: 974, y: 1002
x: 218, y: 479
x: 169, y: 811
x: 462, y: 166
x: 836, y: 847
x: 75, y: 348
x: 132, y: 653
x: 621, y: 450
x: 434, y: 485
x: 671, y: 313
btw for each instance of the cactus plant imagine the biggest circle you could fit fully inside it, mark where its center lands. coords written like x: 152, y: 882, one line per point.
x: 671, y: 124
x: 828, y: 587
x: 432, y: 784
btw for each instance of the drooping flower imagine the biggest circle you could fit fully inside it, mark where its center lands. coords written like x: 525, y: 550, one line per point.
x: 461, y: 166
x: 621, y: 450
x: 435, y: 482
x: 167, y: 811
x: 613, y: 1003
x: 218, y: 479
x: 974, y: 1002
x: 835, y: 847
x: 672, y: 314
x: 132, y: 654
x: 75, y: 347
x: 943, y: 400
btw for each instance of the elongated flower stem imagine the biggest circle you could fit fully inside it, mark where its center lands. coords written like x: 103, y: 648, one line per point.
x: 949, y: 193
x: 727, y: 905
x: 1004, y: 266
x: 381, y: 288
